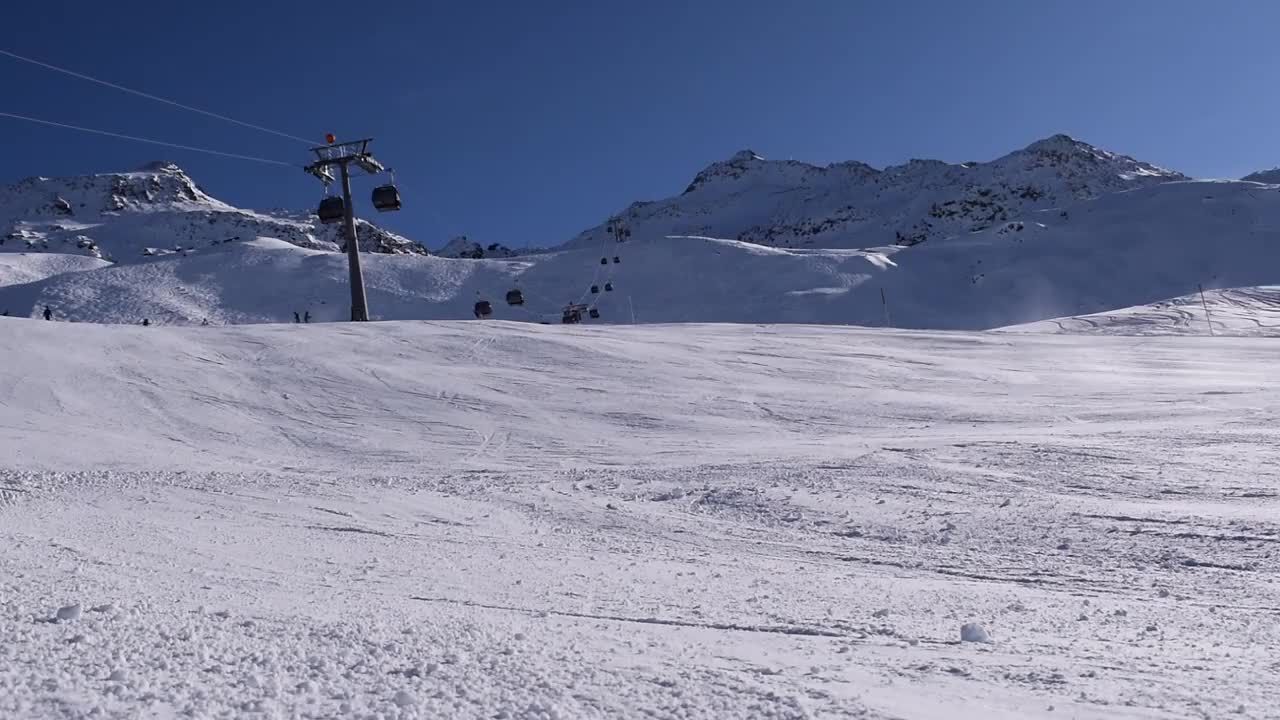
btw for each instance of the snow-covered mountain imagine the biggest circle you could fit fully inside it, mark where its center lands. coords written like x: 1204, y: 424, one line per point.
x: 785, y: 203
x: 466, y: 248
x: 158, y: 209
x: 1058, y: 229
x: 1267, y: 177
x: 1116, y: 251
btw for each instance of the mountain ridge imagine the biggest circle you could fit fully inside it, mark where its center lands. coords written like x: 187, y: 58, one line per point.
x: 790, y: 203
x: 1057, y: 228
x: 154, y: 210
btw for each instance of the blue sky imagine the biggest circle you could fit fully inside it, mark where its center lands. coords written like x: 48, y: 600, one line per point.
x: 525, y: 122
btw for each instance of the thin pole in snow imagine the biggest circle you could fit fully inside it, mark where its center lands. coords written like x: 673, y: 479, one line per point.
x: 633, y: 310
x: 885, y: 303
x: 1208, y: 320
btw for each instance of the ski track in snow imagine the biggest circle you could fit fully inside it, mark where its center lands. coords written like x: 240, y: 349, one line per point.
x: 505, y: 520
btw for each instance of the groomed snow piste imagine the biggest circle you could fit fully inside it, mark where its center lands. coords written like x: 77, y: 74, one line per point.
x: 507, y: 520
x: 1252, y: 311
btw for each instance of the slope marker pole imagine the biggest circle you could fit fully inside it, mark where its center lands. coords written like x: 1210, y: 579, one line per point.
x: 885, y: 302
x: 1208, y: 320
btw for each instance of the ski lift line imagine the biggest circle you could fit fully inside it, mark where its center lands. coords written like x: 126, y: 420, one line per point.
x: 134, y: 138
x: 595, y: 276
x: 149, y: 96
x: 542, y: 300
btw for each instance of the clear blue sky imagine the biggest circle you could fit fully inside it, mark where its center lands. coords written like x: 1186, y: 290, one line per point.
x: 525, y: 122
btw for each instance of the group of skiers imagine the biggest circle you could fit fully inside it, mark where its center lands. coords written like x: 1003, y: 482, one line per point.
x: 47, y: 314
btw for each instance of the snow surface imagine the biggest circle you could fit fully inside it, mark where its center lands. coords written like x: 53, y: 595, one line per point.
x: 22, y: 268
x: 505, y: 520
x: 1236, y: 311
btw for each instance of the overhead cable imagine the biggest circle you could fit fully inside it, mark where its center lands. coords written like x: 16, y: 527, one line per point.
x: 146, y: 140
x: 149, y: 96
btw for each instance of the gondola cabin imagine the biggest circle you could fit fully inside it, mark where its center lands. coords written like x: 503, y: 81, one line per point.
x: 515, y: 297
x: 331, y: 210
x: 386, y: 198
x: 572, y: 314
x: 483, y: 309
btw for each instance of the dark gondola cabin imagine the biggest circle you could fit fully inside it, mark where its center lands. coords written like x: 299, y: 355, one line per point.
x: 593, y: 313
x: 608, y: 287
x: 604, y: 261
x: 515, y: 297
x: 386, y: 198
x: 331, y: 210
x: 483, y: 309
x: 616, y: 259
x: 595, y: 289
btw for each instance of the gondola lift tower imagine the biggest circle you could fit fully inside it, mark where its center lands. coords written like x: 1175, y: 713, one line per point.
x: 333, y: 209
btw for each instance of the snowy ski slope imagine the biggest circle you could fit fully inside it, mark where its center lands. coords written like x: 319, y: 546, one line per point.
x: 23, y: 268
x: 506, y: 520
x: 1232, y: 312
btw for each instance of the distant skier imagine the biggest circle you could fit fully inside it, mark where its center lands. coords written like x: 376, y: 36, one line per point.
x: 4, y: 314
x: 295, y: 317
x: 146, y: 322
x: 306, y: 318
x: 204, y: 322
x: 48, y: 314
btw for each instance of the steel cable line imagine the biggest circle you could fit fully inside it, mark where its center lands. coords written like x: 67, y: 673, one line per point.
x: 595, y: 277
x: 147, y: 140
x: 149, y: 96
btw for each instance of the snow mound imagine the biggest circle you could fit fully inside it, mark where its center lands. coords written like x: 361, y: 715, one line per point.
x: 1248, y: 311
x: 974, y: 633
x: 22, y: 268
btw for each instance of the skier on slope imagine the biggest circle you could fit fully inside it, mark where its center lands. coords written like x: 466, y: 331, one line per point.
x: 48, y: 314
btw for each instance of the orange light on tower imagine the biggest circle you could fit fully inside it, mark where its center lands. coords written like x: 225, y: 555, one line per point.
x: 331, y: 138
